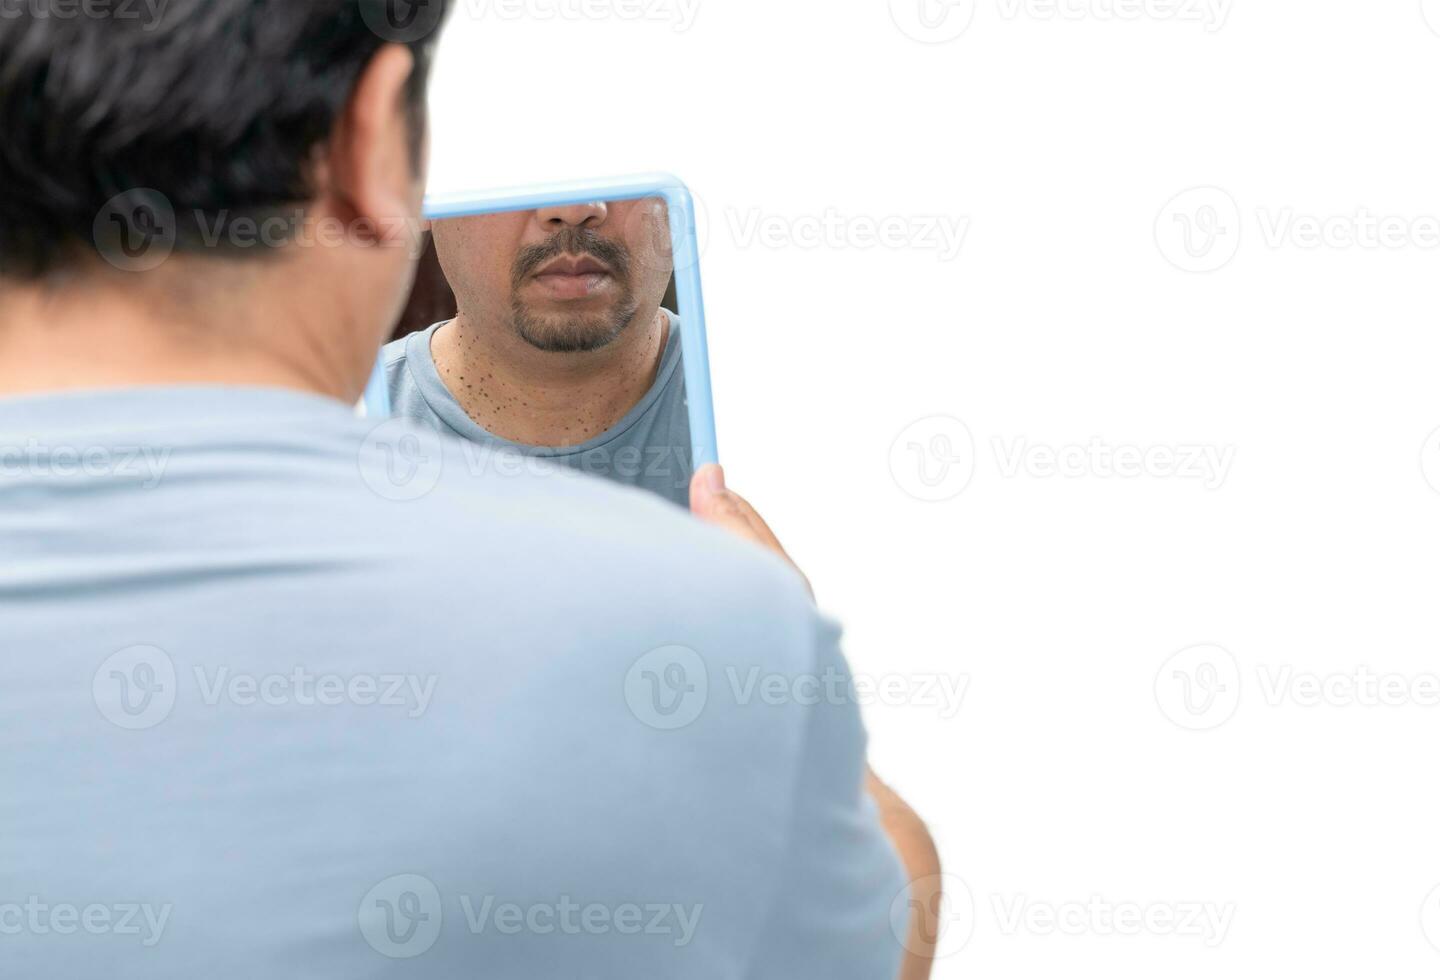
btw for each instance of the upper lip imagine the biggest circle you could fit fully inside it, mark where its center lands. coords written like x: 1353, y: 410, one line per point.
x: 573, y: 265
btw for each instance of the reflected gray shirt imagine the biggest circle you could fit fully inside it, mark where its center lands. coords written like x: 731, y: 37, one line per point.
x: 648, y: 448
x: 286, y: 694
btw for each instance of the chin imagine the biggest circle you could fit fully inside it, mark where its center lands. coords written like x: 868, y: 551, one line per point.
x: 572, y: 334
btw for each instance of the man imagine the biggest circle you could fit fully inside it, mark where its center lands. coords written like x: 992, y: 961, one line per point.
x: 561, y: 348
x: 276, y: 706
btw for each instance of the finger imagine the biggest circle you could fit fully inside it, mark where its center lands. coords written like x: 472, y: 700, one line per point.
x: 762, y: 529
x: 711, y: 502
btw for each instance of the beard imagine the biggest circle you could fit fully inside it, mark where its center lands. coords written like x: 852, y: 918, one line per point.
x: 571, y: 333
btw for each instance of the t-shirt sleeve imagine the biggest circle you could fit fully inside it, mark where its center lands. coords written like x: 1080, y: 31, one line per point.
x: 831, y: 914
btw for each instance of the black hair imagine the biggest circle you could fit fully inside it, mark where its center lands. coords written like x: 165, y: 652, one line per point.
x: 213, y: 107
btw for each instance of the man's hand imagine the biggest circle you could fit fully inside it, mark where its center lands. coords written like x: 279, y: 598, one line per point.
x: 712, y: 502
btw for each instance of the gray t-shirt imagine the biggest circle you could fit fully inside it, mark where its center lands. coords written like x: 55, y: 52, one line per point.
x: 648, y: 448
x: 287, y: 694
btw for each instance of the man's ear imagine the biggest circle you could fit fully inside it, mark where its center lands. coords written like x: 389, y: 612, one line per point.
x: 369, y: 168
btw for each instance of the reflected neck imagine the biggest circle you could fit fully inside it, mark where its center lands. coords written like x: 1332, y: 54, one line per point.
x: 540, y: 398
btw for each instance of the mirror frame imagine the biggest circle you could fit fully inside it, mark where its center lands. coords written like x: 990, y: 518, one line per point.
x: 684, y: 242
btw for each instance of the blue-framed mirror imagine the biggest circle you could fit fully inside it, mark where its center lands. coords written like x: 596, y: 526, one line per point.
x: 564, y: 321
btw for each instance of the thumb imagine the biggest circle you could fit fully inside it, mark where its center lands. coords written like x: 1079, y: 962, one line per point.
x: 706, y: 487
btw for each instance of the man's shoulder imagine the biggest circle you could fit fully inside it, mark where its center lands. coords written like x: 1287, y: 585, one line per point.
x: 455, y: 497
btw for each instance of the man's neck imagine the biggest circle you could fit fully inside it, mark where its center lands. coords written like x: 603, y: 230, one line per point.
x: 540, y: 398
x: 172, y: 327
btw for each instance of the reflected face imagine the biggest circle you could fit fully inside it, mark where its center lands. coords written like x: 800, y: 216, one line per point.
x: 567, y: 279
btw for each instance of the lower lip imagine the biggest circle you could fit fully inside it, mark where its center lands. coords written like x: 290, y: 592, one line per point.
x: 562, y: 286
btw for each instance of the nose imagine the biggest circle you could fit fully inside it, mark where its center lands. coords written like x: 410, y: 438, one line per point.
x: 589, y: 215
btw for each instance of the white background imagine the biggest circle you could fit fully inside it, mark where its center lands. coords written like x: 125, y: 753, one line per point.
x: 1070, y: 317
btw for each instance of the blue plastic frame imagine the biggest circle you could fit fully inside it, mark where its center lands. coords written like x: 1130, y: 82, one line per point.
x: 685, y: 243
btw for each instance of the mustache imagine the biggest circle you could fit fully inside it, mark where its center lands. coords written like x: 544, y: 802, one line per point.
x: 573, y: 241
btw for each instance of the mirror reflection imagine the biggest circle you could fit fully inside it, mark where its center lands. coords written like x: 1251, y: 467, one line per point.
x: 552, y: 332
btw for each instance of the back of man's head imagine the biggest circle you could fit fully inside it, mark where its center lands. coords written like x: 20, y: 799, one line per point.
x: 142, y: 136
